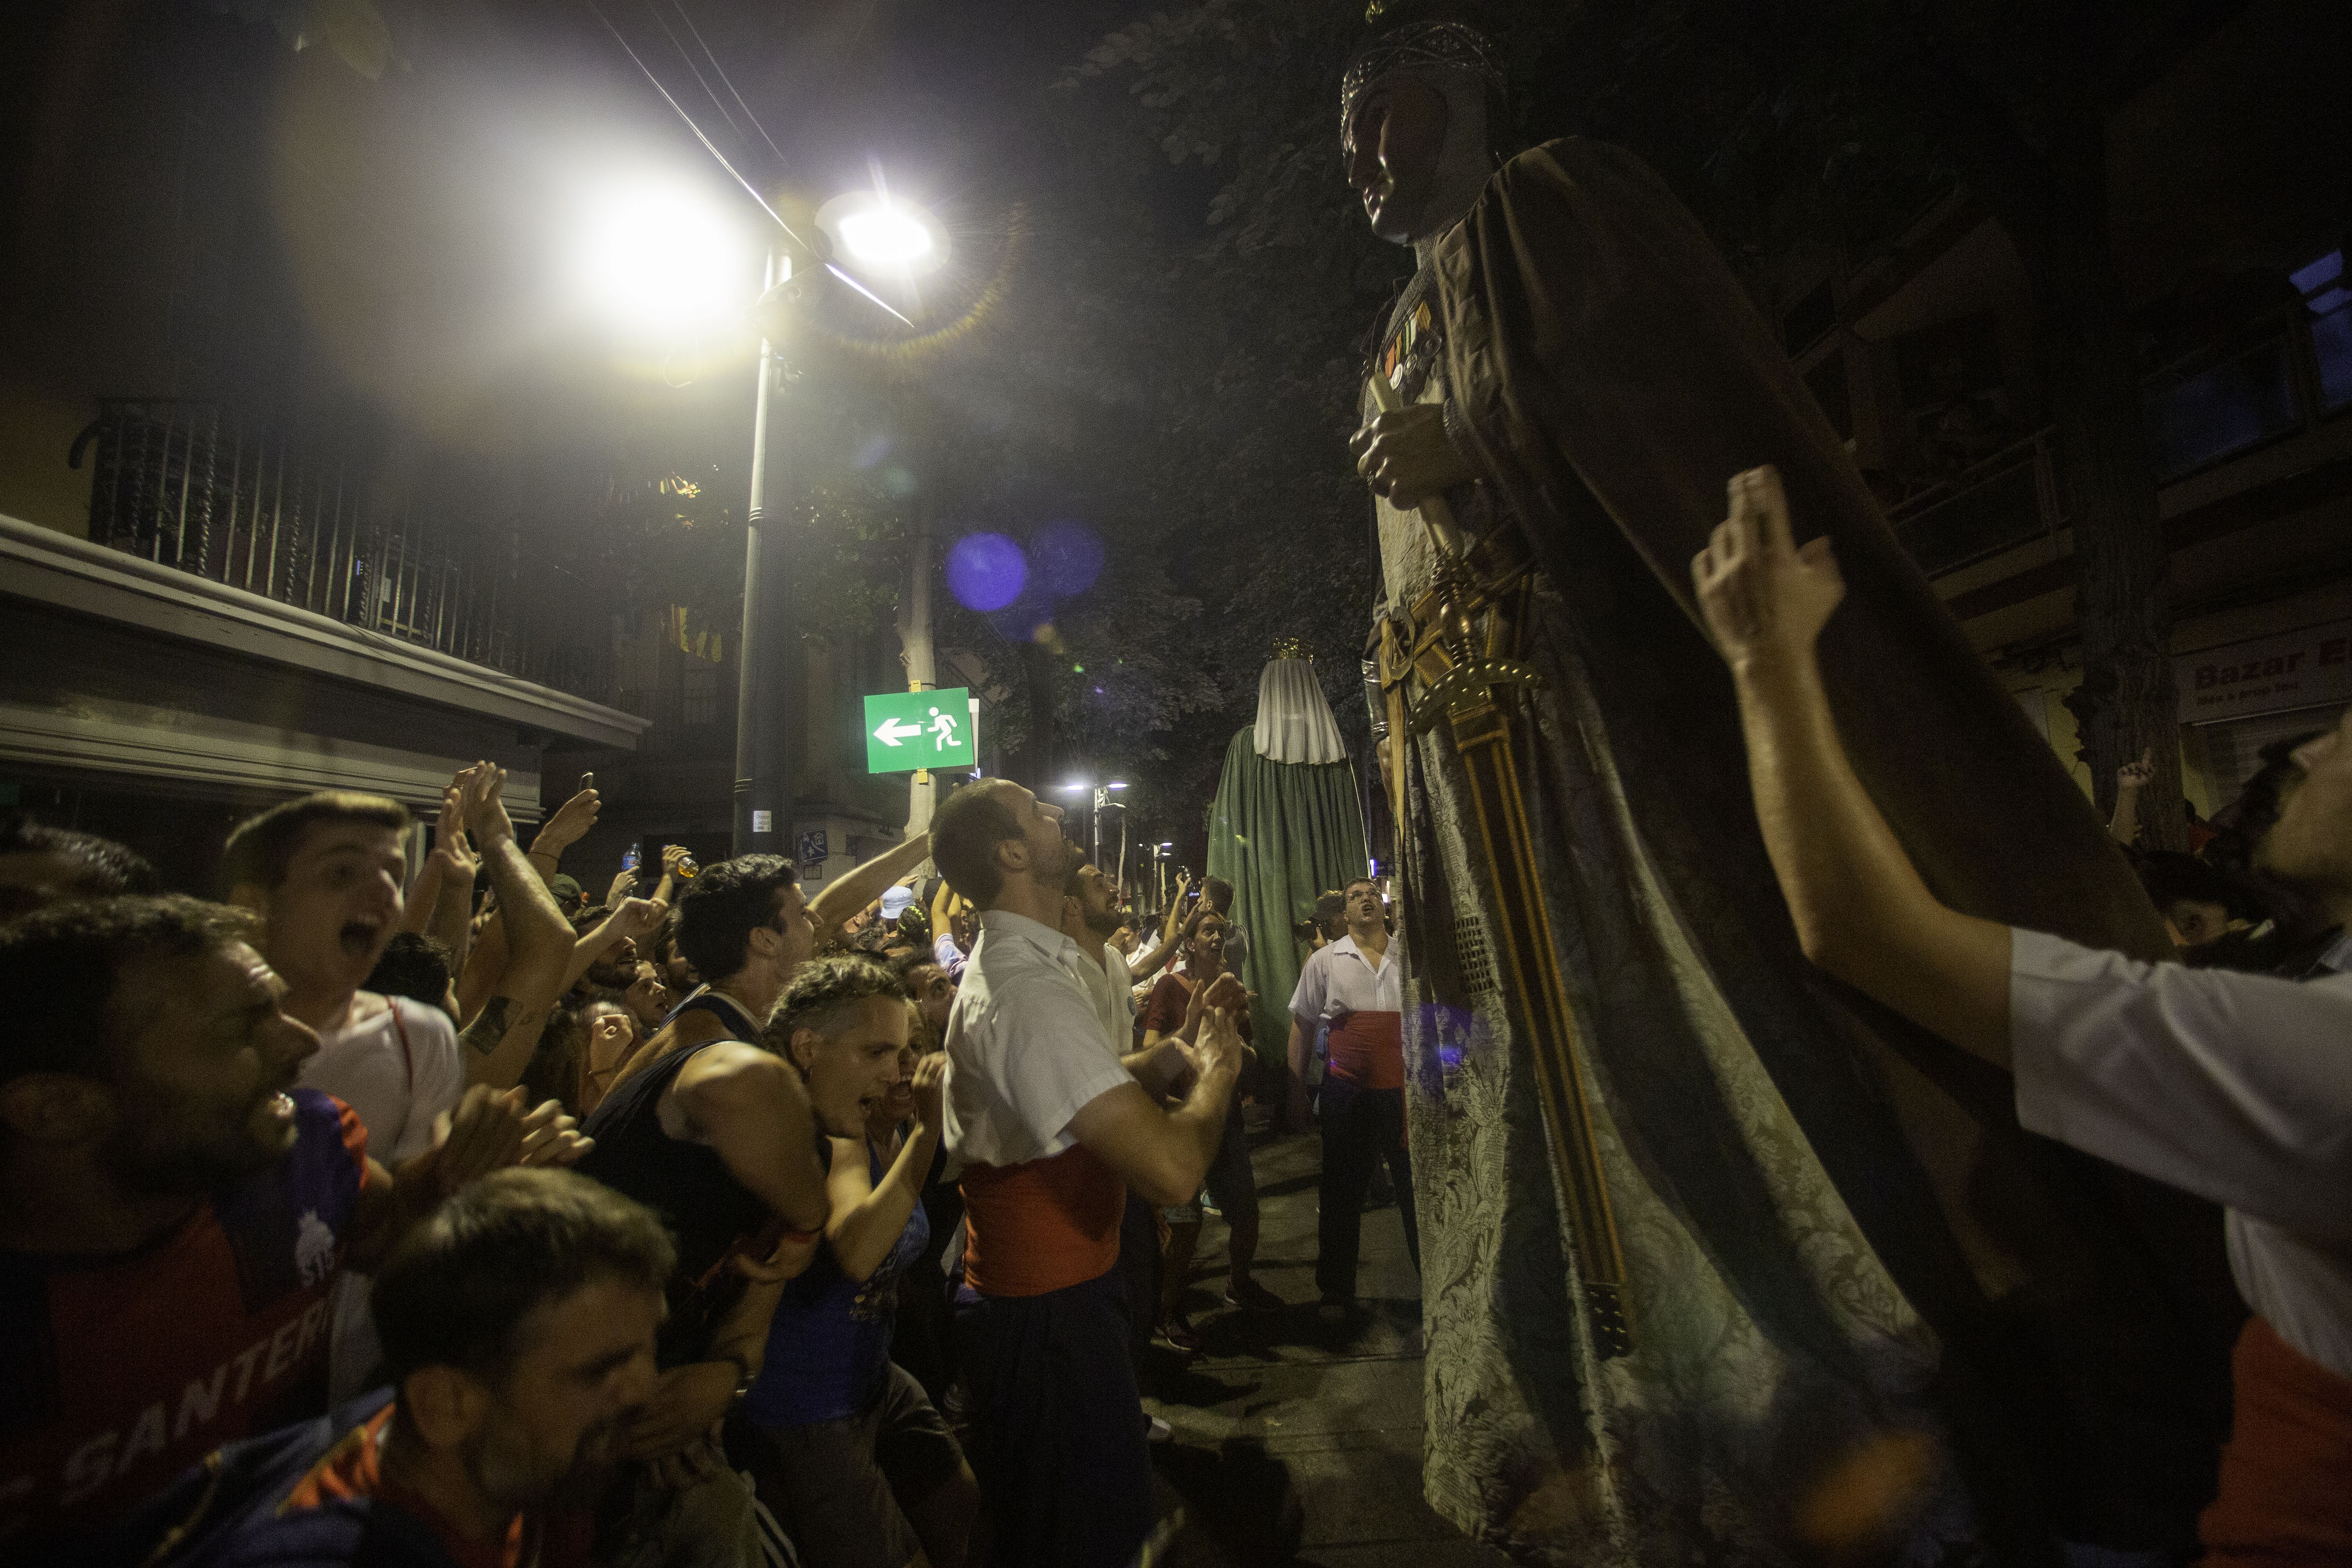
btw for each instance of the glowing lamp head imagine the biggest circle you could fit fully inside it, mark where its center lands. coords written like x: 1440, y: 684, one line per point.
x: 885, y: 236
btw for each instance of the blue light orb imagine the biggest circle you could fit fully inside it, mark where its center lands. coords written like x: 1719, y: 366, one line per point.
x: 1069, y: 558
x: 986, y: 572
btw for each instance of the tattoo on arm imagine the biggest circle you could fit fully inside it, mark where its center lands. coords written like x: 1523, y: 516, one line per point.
x: 489, y: 1026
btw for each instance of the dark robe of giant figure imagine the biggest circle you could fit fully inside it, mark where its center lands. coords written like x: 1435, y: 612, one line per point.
x: 1868, y: 1317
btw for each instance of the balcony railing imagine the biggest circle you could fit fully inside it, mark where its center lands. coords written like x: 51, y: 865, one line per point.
x: 185, y: 483
x: 1997, y: 504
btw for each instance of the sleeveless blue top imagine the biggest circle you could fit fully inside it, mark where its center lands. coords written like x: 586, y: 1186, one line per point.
x: 829, y: 1342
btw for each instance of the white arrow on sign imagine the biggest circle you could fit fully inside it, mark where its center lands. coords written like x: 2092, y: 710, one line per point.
x: 892, y: 732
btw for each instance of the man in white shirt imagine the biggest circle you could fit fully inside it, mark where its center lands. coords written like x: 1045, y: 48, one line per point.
x: 324, y: 873
x: 1352, y: 987
x: 2234, y: 1087
x: 1051, y: 1129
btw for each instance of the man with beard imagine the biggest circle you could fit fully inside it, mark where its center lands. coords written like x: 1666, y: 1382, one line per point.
x: 1636, y: 1111
x: 1051, y: 1129
x: 518, y: 1326
x: 174, y: 1209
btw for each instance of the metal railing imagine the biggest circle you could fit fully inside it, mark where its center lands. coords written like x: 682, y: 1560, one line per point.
x: 182, y: 482
x: 1995, y: 504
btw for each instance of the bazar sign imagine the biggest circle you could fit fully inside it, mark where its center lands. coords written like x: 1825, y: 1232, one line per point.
x: 2267, y: 675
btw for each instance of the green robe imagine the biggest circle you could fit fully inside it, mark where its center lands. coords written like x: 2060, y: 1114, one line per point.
x: 1835, y: 1232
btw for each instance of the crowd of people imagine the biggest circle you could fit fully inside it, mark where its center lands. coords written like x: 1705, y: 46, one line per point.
x: 438, y: 1216
x: 441, y: 1216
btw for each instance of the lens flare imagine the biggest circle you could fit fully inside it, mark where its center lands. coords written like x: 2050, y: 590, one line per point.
x: 986, y: 571
x: 1068, y: 556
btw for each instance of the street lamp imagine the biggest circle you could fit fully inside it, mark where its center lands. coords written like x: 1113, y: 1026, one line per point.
x: 661, y: 258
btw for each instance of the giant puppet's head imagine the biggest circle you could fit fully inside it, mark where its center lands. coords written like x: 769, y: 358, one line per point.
x: 1418, y: 104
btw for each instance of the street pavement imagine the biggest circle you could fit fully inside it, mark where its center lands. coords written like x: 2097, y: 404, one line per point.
x: 1299, y: 1440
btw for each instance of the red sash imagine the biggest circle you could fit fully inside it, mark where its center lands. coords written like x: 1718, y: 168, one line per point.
x: 1367, y: 1049
x: 2286, y: 1499
x: 1041, y: 1225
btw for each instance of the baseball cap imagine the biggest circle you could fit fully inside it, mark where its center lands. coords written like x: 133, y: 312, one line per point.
x: 894, y: 902
x: 565, y: 889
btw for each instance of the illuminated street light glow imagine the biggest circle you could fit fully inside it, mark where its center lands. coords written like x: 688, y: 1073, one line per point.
x: 1116, y: 784
x: 882, y: 235
x: 665, y: 258
x: 885, y: 236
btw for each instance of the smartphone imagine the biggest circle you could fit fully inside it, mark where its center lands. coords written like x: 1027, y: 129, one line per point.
x: 629, y: 861
x: 587, y: 781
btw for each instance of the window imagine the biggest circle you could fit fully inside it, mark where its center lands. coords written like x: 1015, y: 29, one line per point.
x: 697, y: 696
x: 2329, y: 305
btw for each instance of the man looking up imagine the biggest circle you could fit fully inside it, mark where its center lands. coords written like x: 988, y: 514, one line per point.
x: 1351, y: 985
x: 2232, y: 1085
x: 518, y: 1327
x: 1052, y: 1129
x: 174, y: 1208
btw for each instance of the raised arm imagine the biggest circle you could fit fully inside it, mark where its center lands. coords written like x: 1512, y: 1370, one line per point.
x: 635, y: 918
x: 500, y: 1039
x: 1176, y: 908
x: 1164, y: 1154
x: 832, y: 908
x: 559, y: 832
x: 1860, y: 910
x: 867, y: 1220
x: 2130, y: 779
x: 753, y: 1110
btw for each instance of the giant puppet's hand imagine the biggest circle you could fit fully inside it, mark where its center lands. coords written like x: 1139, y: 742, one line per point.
x: 1408, y: 457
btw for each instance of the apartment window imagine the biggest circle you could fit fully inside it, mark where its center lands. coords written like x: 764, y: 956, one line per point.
x: 2327, y: 306
x: 697, y: 696
x: 2251, y: 385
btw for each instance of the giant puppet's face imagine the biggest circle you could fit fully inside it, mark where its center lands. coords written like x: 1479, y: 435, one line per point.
x: 1395, y: 142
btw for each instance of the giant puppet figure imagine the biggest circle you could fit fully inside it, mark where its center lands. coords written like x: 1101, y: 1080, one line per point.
x: 1722, y: 1263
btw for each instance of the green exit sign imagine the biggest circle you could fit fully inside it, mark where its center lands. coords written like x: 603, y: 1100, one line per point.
x: 909, y: 730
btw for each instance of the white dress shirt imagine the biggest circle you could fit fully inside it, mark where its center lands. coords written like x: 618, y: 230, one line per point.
x: 1340, y: 978
x: 1113, y: 997
x: 2237, y: 1087
x: 1025, y: 1044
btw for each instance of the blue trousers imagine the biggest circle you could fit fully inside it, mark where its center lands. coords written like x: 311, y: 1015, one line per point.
x: 1058, y: 1442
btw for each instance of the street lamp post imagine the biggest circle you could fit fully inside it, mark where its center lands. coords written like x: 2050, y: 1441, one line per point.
x: 763, y: 731
x: 665, y: 260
